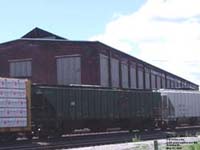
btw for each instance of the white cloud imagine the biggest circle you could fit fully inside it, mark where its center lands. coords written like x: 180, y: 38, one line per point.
x: 165, y: 33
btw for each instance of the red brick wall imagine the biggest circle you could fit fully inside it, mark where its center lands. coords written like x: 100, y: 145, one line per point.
x: 43, y: 54
x: 44, y: 62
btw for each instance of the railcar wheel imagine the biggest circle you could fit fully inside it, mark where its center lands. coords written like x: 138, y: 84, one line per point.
x: 193, y: 121
x: 57, y: 134
x: 172, y: 125
x: 130, y: 131
x: 142, y: 129
x: 164, y: 125
x: 151, y: 128
x: 43, y: 135
x: 29, y: 136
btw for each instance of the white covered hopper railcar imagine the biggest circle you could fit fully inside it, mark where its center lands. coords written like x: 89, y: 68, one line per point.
x: 180, y: 107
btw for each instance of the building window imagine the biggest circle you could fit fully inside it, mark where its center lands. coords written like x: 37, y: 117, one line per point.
x: 147, y: 78
x: 115, y: 72
x: 163, y: 81
x: 153, y: 79
x: 104, y: 71
x: 124, y: 71
x: 140, y: 76
x: 68, y: 69
x: 133, y: 75
x: 20, y: 68
x: 158, y: 81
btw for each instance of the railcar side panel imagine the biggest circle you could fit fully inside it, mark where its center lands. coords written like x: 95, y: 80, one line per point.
x: 179, y: 104
x: 81, y: 107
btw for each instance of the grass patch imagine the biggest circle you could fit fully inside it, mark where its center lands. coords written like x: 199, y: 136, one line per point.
x: 191, y: 147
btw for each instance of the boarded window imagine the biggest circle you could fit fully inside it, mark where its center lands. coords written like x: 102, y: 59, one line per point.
x: 168, y: 83
x: 158, y: 80
x: 20, y: 68
x: 68, y: 70
x: 172, y: 84
x: 104, y: 73
x: 175, y: 83
x: 140, y: 77
x: 153, y: 79
x: 179, y: 84
x: 163, y: 81
x: 124, y: 67
x: 184, y: 84
x: 133, y: 76
x: 147, y: 78
x: 115, y: 72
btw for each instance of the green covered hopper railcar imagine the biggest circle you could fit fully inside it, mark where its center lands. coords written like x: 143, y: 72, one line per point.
x: 61, y: 109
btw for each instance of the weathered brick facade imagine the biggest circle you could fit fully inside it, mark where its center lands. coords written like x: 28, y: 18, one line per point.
x: 42, y: 49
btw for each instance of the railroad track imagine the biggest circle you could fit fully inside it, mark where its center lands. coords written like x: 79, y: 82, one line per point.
x: 91, y: 139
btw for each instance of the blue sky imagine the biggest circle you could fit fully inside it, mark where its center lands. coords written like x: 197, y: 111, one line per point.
x: 165, y: 33
x: 73, y: 19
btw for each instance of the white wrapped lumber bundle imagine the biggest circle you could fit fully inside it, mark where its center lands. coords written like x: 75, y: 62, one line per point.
x: 14, y: 104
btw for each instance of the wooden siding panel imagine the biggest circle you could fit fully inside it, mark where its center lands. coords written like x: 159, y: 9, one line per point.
x: 124, y: 68
x: 133, y: 77
x: 68, y: 70
x: 115, y: 72
x: 20, y: 68
x: 104, y: 74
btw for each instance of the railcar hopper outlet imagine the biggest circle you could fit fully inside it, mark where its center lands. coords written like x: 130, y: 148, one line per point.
x: 15, y: 105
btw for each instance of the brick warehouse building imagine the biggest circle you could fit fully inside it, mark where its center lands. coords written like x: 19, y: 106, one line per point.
x: 46, y: 58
